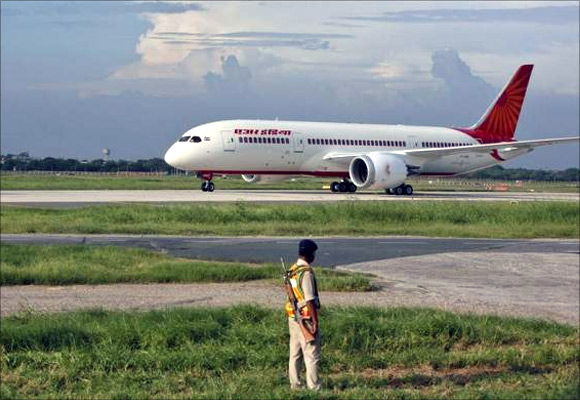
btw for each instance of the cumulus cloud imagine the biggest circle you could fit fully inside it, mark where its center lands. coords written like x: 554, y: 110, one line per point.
x: 456, y: 74
x: 234, y: 77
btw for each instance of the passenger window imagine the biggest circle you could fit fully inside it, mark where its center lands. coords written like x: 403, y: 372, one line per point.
x: 183, y: 139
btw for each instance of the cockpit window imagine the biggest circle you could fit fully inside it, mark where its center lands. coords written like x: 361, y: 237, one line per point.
x: 195, y: 139
x: 183, y: 139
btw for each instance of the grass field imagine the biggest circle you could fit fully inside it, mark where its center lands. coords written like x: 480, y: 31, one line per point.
x: 78, y: 264
x: 241, y: 352
x: 64, y: 181
x: 443, y: 219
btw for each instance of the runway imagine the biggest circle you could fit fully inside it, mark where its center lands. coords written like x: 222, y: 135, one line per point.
x: 533, y: 278
x: 85, y: 197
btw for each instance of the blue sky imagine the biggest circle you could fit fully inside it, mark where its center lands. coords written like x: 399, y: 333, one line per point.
x: 77, y: 77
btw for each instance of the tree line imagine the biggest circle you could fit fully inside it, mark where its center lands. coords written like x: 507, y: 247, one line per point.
x: 22, y: 162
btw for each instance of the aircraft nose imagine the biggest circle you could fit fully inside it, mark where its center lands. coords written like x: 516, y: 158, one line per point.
x: 174, y: 158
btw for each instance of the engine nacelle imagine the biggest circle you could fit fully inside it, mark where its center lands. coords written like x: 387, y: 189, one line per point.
x: 377, y: 171
x: 250, y: 178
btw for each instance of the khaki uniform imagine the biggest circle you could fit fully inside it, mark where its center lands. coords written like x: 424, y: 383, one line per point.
x: 300, y: 351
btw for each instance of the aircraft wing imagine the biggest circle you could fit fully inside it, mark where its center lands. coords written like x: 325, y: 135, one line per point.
x: 431, y: 153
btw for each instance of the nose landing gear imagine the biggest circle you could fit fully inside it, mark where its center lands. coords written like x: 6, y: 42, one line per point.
x: 343, y: 186
x: 207, y: 185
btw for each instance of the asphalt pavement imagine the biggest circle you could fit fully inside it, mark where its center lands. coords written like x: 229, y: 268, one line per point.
x: 333, y: 251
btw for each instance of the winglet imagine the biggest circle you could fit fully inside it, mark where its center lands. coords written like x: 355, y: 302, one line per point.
x: 499, y: 122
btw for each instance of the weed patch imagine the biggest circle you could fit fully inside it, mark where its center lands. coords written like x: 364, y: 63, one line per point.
x: 81, y: 264
x: 241, y: 352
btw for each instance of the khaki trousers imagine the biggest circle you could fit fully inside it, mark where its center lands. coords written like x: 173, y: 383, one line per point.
x: 300, y: 352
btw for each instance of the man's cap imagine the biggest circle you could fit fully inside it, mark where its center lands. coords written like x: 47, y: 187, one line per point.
x: 307, y: 247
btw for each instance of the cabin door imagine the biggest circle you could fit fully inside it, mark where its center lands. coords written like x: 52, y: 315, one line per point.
x: 228, y: 140
x: 298, y: 143
x: 413, y: 142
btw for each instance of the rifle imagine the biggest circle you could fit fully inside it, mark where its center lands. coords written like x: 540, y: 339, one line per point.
x: 302, y: 322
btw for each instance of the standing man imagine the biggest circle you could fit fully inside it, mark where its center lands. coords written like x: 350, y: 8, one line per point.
x: 304, y: 332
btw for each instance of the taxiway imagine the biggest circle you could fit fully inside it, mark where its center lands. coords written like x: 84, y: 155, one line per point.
x: 85, y: 197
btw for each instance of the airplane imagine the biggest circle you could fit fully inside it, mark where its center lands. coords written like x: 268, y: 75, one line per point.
x: 362, y: 156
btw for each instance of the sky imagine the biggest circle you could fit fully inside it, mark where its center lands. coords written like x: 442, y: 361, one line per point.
x: 80, y: 76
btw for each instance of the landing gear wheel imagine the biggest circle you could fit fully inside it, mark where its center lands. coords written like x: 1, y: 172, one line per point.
x: 351, y: 187
x: 408, y: 190
x: 342, y: 187
x: 207, y: 186
x: 334, y: 187
x: 398, y: 190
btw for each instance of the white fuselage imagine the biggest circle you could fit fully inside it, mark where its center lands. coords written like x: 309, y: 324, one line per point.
x: 293, y: 147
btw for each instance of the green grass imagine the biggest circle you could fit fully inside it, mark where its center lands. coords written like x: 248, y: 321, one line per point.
x: 131, y: 182
x: 443, y: 219
x: 82, y: 264
x: 70, y: 181
x: 241, y: 352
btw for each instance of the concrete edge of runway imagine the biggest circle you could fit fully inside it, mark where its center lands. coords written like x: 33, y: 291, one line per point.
x: 80, y: 198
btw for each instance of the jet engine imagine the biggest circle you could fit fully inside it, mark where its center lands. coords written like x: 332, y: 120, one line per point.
x: 377, y: 171
x: 250, y: 178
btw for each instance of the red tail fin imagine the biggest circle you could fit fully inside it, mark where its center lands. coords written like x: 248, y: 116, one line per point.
x: 499, y: 122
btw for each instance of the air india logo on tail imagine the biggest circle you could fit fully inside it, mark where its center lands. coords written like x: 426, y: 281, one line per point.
x: 504, y: 116
x: 499, y: 123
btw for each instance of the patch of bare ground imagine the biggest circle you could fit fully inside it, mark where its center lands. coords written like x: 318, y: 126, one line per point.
x: 427, y: 375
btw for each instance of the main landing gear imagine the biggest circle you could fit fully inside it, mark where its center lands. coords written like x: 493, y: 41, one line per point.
x: 207, y: 185
x: 343, y: 186
x: 406, y: 190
